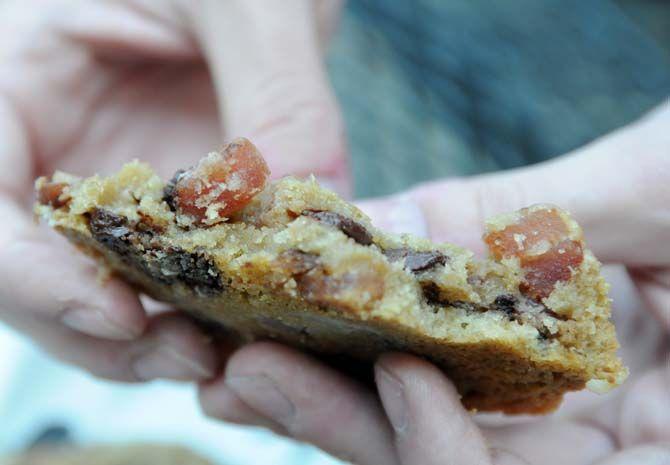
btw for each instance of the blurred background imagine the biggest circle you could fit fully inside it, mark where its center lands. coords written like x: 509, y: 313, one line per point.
x: 465, y: 86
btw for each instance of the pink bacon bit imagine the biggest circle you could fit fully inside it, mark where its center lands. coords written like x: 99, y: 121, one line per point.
x: 221, y: 183
x: 540, y: 239
x: 52, y: 193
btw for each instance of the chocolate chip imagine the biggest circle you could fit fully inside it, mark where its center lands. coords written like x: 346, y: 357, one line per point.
x: 553, y: 314
x: 506, y: 303
x: 432, y: 293
x: 146, y: 224
x: 169, y: 190
x: 194, y: 269
x: 348, y: 226
x: 433, y: 296
x: 140, y: 249
x: 416, y: 261
x: 110, y: 230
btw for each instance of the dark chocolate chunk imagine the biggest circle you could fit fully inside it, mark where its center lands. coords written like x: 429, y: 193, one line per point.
x: 139, y: 248
x: 348, y: 226
x: 416, y: 261
x: 553, y: 314
x: 422, y: 261
x: 506, y: 303
x: 432, y: 293
x: 169, y: 190
x: 111, y: 230
x: 192, y: 268
x: 434, y: 297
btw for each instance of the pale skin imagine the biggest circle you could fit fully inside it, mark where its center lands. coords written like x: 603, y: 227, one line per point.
x: 84, y: 90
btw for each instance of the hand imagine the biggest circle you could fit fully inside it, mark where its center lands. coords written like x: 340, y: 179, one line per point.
x: 618, y: 189
x: 87, y: 85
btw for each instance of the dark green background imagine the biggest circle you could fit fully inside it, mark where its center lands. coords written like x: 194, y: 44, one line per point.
x: 435, y: 88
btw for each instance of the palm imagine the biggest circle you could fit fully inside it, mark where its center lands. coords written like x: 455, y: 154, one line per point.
x: 163, y: 113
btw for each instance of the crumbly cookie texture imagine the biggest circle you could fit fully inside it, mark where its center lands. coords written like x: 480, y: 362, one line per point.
x: 291, y: 261
x: 135, y: 454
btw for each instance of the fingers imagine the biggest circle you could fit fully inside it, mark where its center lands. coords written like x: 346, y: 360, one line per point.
x: 171, y: 348
x: 220, y: 402
x: 45, y: 280
x: 645, y: 409
x: 399, y: 214
x: 537, y: 441
x: 15, y: 160
x: 269, y: 384
x: 429, y: 422
x: 50, y: 292
x: 272, y: 86
x: 265, y: 60
x: 654, y: 288
x: 616, y: 187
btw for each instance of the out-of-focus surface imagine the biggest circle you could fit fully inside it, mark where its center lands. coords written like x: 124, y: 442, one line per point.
x: 429, y: 89
x: 37, y: 393
x: 433, y: 88
x: 144, y: 454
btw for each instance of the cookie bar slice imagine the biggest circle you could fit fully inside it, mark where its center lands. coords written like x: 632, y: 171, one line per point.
x: 291, y: 261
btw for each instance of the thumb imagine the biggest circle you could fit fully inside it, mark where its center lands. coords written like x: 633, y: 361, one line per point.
x: 272, y: 87
x: 616, y: 188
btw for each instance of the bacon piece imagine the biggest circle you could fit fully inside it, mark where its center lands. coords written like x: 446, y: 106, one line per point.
x: 543, y: 271
x: 540, y: 238
x: 535, y: 229
x: 320, y: 288
x: 52, y: 193
x: 220, y: 184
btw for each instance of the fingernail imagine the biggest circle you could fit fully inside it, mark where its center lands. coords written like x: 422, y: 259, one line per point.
x: 92, y: 321
x: 398, y: 215
x: 165, y: 362
x: 392, y: 393
x: 262, y: 394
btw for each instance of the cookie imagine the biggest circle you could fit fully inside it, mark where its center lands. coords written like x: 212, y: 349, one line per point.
x: 291, y: 261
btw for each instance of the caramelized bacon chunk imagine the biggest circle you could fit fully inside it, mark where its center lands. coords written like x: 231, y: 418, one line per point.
x: 320, y: 288
x: 317, y: 285
x: 540, y: 239
x: 53, y: 194
x: 535, y: 230
x: 543, y: 271
x: 219, y: 185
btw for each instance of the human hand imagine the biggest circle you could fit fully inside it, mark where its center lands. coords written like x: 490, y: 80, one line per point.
x: 617, y: 188
x: 87, y: 85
